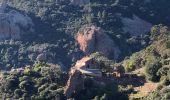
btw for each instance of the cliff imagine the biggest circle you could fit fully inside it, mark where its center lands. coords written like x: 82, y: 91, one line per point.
x: 74, y: 80
x: 83, y: 67
x: 93, y: 39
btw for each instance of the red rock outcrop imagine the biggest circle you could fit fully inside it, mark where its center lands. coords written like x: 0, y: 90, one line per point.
x: 74, y: 81
x: 76, y: 76
x: 93, y: 39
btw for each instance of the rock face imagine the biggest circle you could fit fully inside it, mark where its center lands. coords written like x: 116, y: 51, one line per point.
x: 75, y: 80
x: 136, y: 26
x: 13, y: 24
x: 93, y: 39
x: 45, y: 56
x: 77, y: 73
x: 80, y: 2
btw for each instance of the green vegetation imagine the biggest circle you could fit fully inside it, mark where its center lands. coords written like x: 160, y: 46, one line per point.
x: 154, y: 56
x: 45, y: 84
x: 56, y: 24
x: 129, y: 66
x: 155, y: 60
x: 151, y: 70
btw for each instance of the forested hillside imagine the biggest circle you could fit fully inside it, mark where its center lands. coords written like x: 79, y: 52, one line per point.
x: 57, y: 22
x: 42, y: 41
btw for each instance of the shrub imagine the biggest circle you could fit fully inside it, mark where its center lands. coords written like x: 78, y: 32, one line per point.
x: 129, y: 66
x: 151, y: 69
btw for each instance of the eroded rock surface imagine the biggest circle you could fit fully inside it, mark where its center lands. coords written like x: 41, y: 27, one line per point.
x: 13, y: 24
x: 136, y: 26
x: 93, y: 39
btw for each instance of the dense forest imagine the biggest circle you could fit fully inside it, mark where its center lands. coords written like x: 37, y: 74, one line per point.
x: 44, y: 42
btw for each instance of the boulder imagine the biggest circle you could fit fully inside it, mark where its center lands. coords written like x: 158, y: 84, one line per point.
x: 93, y: 39
x: 45, y: 57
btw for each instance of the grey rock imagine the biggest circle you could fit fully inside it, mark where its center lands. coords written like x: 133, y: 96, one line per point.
x: 45, y: 56
x: 42, y: 57
x: 135, y: 26
x: 13, y: 24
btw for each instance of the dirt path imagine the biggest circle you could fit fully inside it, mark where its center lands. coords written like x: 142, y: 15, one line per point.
x: 144, y: 90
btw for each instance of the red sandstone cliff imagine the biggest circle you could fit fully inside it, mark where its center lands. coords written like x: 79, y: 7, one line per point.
x: 93, y: 39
